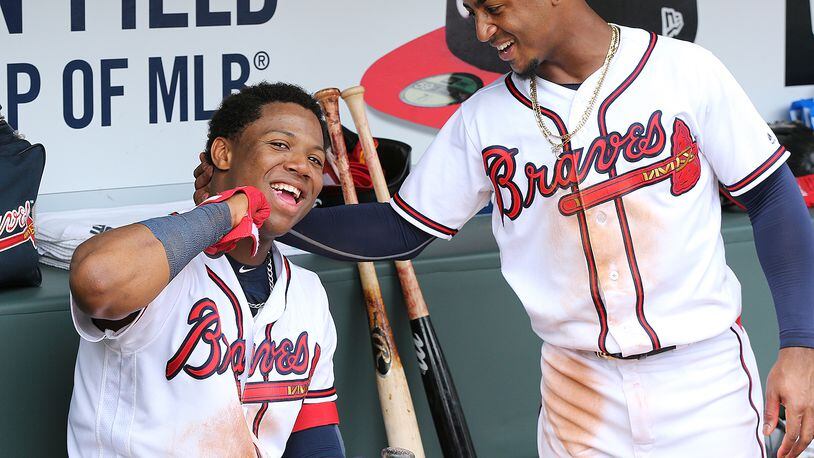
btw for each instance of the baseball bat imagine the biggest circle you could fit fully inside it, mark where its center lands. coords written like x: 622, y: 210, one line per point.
x: 445, y: 406
x: 400, y: 421
x: 395, y: 452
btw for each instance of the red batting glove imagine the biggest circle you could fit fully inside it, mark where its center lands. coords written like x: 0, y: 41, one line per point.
x: 249, y: 226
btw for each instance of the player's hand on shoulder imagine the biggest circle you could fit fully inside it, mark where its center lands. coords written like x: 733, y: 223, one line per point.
x: 791, y: 383
x: 203, y: 175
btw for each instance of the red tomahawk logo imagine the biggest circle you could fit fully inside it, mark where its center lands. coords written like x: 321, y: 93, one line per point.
x: 682, y: 168
x: 18, y: 239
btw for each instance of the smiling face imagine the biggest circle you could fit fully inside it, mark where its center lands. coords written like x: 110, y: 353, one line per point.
x: 521, y: 31
x: 281, y: 154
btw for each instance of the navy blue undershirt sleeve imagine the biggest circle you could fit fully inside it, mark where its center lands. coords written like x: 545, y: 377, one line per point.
x: 318, y: 442
x: 784, y: 239
x: 364, y: 232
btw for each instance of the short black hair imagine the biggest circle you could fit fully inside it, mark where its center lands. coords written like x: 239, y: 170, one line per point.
x: 242, y: 108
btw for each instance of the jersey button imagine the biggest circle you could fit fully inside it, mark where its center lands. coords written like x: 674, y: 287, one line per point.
x: 601, y: 217
x: 614, y: 275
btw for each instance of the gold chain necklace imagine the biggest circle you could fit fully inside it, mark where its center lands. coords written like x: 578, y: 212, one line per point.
x: 558, y: 142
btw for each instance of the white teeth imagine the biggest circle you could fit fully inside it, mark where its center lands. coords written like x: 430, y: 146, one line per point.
x: 505, y: 45
x: 286, y: 187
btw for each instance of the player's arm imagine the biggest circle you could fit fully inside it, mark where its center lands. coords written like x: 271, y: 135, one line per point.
x: 364, y: 232
x: 747, y: 159
x: 784, y: 239
x: 120, y: 271
x: 323, y: 441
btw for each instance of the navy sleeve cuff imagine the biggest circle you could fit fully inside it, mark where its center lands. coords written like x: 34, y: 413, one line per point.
x: 797, y: 339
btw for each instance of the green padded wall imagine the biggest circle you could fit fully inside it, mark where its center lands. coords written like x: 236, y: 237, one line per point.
x: 485, y: 333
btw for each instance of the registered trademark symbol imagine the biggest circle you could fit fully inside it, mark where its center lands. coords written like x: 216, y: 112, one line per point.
x: 261, y: 60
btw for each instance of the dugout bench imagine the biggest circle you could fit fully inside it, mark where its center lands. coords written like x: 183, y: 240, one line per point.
x: 484, y: 331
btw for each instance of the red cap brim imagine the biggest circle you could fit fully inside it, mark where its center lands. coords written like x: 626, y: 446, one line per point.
x: 426, y: 56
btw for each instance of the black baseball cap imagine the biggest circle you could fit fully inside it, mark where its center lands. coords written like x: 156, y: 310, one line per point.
x: 425, y: 80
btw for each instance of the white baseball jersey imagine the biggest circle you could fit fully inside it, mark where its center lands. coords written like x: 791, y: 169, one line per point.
x: 171, y: 383
x: 614, y: 246
x: 290, y: 383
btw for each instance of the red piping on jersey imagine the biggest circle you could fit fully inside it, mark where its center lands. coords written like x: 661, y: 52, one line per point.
x: 313, y: 415
x: 763, y: 167
x: 522, y: 98
x: 729, y: 197
x: 316, y: 394
x: 421, y: 218
x: 751, y: 402
x: 597, y: 298
x: 603, y: 128
x: 620, y: 207
x: 583, y: 225
x: 634, y: 269
x: 288, y: 278
x: 283, y: 390
x: 258, y: 418
x: 261, y: 412
x: 232, y: 299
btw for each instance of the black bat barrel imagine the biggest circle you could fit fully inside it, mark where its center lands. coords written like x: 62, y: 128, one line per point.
x: 447, y: 414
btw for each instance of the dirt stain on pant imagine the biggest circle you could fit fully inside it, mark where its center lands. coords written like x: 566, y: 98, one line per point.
x: 225, y: 434
x: 572, y: 405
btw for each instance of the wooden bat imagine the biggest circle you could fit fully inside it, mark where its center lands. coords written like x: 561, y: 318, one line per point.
x: 394, y: 395
x: 445, y: 406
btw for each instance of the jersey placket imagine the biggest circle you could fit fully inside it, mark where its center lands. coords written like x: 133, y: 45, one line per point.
x: 616, y: 281
x: 606, y: 243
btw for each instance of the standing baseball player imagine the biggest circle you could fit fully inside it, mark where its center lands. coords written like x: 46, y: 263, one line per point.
x: 186, y: 351
x: 602, y: 152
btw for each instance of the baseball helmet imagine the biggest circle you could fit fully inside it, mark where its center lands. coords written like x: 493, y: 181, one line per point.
x: 394, y: 157
x: 799, y: 140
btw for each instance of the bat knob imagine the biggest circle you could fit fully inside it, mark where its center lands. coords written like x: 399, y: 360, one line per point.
x: 352, y: 91
x: 396, y: 452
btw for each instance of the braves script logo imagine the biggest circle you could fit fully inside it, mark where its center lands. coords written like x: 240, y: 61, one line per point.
x: 206, y: 332
x: 571, y: 168
x: 12, y: 220
x: 285, y: 357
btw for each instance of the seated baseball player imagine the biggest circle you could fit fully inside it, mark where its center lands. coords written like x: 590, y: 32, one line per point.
x: 184, y: 318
